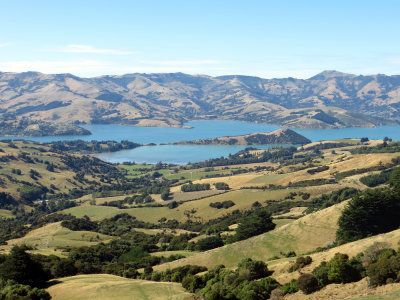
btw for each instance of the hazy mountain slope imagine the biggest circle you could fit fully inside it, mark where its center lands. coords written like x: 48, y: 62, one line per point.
x: 329, y: 99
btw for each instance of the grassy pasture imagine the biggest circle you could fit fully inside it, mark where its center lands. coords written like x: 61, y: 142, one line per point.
x: 110, y: 287
x: 6, y: 213
x: 185, y: 253
x: 302, y: 235
x: 51, y: 236
x: 200, y: 209
x: 268, y: 179
x: 196, y: 174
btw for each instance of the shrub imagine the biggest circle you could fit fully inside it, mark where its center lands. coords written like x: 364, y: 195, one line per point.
x: 307, y: 283
x: 341, y: 271
x: 221, y: 186
x: 386, y: 268
x: 250, y: 269
x: 225, y: 204
x: 290, y: 287
x: 192, y: 283
x: 301, y: 262
x: 195, y: 187
x: 172, y: 205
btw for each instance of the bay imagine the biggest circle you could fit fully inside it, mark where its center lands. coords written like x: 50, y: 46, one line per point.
x: 181, y: 154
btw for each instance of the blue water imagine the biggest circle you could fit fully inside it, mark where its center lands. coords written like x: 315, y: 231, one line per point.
x: 181, y: 154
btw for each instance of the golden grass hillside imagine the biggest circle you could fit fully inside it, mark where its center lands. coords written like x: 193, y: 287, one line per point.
x: 24, y: 156
x: 351, y: 291
x: 47, y: 239
x: 351, y: 249
x: 303, y: 235
x: 110, y: 287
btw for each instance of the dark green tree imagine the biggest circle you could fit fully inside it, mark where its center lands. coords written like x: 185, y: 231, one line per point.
x: 20, y: 267
x: 257, y: 224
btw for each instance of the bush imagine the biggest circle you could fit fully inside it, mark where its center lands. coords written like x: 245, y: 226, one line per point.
x: 192, y: 283
x: 13, y: 290
x: 290, y: 287
x: 225, y: 204
x: 221, y: 186
x: 386, y: 268
x: 341, y: 271
x: 307, y: 283
x: 172, y: 205
x: 301, y: 262
x: 195, y: 187
x: 251, y: 269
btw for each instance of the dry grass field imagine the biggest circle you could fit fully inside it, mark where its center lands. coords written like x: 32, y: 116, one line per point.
x: 302, y: 235
x: 110, y: 287
x: 48, y: 238
x: 351, y: 291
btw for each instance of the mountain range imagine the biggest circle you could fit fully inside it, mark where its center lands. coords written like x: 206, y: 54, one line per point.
x: 328, y: 100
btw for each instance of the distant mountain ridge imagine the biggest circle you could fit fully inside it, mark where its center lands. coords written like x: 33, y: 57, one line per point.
x: 327, y: 100
x: 280, y: 136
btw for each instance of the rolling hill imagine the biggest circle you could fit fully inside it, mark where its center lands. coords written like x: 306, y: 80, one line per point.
x: 328, y: 100
x: 280, y: 136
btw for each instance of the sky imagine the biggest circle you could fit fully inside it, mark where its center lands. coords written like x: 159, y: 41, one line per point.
x: 265, y: 38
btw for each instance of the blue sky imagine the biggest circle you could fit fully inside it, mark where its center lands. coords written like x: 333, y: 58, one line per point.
x: 270, y: 39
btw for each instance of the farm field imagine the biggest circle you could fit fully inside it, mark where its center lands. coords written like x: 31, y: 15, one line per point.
x: 109, y: 287
x: 50, y: 237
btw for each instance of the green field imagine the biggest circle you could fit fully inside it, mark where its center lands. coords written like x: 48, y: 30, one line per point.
x: 200, y: 209
x: 185, y: 253
x: 110, y: 287
x: 196, y: 174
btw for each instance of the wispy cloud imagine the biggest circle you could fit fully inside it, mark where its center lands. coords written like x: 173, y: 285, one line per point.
x: 73, y: 48
x: 2, y: 45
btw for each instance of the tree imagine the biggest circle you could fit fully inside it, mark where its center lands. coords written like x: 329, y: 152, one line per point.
x: 63, y: 268
x: 30, y: 193
x: 369, y: 213
x: 259, y: 223
x: 20, y: 267
x: 208, y: 243
x: 394, y: 180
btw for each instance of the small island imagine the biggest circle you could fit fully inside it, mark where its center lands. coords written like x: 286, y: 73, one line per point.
x: 280, y: 136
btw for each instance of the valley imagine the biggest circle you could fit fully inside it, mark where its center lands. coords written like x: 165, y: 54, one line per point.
x: 60, y: 203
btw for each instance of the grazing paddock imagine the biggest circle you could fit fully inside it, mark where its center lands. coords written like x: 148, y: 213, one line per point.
x: 302, y: 235
x: 52, y: 236
x: 110, y: 287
